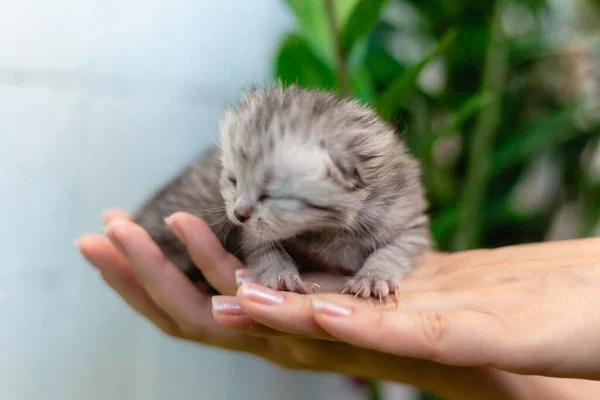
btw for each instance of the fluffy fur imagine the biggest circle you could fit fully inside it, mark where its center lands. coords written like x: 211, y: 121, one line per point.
x: 302, y: 179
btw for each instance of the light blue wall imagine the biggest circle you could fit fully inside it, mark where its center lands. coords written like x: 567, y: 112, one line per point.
x: 100, y: 102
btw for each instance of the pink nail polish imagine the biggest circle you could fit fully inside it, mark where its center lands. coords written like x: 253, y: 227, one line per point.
x: 261, y: 294
x: 331, y: 308
x: 226, y: 305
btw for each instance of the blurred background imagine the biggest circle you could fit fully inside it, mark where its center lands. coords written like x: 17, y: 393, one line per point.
x: 102, y: 102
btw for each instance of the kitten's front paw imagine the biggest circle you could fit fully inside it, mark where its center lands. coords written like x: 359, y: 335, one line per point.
x: 372, y: 286
x: 291, y: 283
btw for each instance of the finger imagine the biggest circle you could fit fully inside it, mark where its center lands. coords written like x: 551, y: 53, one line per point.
x: 479, y: 298
x: 228, y: 313
x: 102, y: 254
x: 169, y: 287
x: 138, y: 299
x: 428, y: 264
x: 244, y: 275
x: 326, y: 281
x: 115, y: 213
x: 206, y: 251
x: 282, y: 311
x: 293, y: 313
x: 113, y: 269
x: 462, y: 337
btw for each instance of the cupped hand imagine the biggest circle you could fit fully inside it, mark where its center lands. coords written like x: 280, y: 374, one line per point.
x: 132, y: 264
x: 532, y: 309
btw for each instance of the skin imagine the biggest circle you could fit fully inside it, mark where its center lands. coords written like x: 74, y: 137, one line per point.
x: 509, y: 297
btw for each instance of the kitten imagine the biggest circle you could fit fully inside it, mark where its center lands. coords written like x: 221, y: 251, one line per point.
x: 302, y: 179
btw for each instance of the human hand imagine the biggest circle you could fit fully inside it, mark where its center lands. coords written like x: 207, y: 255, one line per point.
x: 531, y: 309
x: 131, y: 263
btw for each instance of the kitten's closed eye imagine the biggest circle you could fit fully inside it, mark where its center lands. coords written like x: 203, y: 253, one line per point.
x: 232, y: 180
x: 301, y: 200
x: 264, y: 197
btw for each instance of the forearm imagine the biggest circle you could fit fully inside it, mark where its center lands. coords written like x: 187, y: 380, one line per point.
x: 488, y: 384
x: 465, y: 383
x: 446, y: 381
x: 525, y: 387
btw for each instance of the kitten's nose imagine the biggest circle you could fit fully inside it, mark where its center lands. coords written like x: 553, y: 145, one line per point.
x: 243, y: 213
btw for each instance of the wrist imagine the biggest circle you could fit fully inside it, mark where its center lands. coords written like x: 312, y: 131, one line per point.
x: 522, y: 387
x: 446, y: 381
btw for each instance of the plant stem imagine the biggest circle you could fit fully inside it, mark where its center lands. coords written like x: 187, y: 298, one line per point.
x: 343, y: 79
x: 373, y: 390
x: 480, y: 154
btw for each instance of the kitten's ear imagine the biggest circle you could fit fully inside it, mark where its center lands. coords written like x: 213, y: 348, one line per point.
x: 346, y: 168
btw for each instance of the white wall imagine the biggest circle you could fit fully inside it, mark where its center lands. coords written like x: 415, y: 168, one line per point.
x: 100, y: 102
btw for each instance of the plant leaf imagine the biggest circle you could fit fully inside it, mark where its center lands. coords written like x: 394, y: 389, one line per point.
x: 396, y: 94
x: 382, y: 66
x: 554, y: 129
x: 362, y: 85
x: 296, y: 63
x: 312, y: 18
x: 464, y: 112
x: 444, y: 223
x: 363, y: 19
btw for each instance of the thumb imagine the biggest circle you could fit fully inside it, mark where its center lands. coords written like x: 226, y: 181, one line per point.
x: 463, y: 337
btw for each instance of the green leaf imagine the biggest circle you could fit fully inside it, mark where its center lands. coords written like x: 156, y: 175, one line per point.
x: 362, y: 85
x: 554, y: 129
x: 396, y: 94
x: 444, y: 224
x: 427, y: 396
x: 363, y: 19
x: 374, y: 390
x: 382, y: 66
x: 465, y: 111
x: 314, y: 26
x: 296, y: 63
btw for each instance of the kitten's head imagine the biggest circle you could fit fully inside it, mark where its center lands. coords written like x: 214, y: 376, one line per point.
x: 296, y: 161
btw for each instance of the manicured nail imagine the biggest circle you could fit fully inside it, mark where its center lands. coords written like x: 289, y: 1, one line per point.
x: 226, y: 305
x: 174, y: 227
x: 244, y: 275
x: 330, y: 308
x: 261, y: 294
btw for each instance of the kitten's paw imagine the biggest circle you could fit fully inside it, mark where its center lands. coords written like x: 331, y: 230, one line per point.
x: 367, y: 287
x: 291, y: 283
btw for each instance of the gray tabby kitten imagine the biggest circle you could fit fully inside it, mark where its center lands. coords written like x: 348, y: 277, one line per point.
x: 302, y: 179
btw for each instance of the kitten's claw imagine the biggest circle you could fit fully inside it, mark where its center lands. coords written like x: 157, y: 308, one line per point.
x: 367, y: 287
x: 291, y: 283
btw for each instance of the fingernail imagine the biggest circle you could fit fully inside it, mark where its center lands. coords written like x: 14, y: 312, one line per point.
x: 114, y: 238
x: 330, y: 308
x: 261, y: 294
x: 226, y: 305
x: 174, y: 227
x: 244, y: 275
